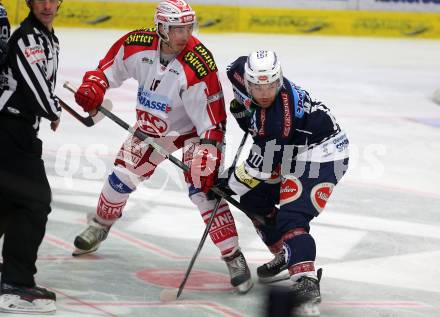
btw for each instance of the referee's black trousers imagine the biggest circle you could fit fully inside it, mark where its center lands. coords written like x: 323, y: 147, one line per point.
x: 25, y: 198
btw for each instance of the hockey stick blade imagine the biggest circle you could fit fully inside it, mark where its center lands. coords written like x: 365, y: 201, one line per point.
x: 89, y: 120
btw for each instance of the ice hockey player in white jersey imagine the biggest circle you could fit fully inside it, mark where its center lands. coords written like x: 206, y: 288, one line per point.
x: 298, y: 156
x: 180, y: 103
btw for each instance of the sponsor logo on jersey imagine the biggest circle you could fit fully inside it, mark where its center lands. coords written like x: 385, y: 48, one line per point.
x: 196, y: 64
x: 320, y: 194
x: 34, y: 54
x: 206, y: 56
x: 286, y: 114
x: 299, y: 111
x: 262, y: 130
x: 299, y: 106
x: 147, y: 60
x: 148, y: 30
x: 153, y: 101
x: 139, y: 39
x: 341, y: 143
x: 244, y: 178
x: 150, y: 123
x: 174, y: 71
x: 291, y: 189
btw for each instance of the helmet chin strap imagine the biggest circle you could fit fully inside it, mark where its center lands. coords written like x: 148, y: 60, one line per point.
x: 164, y: 34
x: 165, y: 37
x: 167, y: 43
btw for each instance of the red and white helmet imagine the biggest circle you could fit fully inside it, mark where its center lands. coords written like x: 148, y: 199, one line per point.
x: 173, y: 12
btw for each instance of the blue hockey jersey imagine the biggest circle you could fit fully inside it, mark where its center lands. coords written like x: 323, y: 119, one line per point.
x: 294, y: 128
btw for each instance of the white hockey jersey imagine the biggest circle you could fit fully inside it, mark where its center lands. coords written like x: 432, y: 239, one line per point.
x: 182, y: 98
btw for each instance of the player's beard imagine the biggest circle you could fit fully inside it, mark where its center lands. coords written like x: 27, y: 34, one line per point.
x: 175, y: 49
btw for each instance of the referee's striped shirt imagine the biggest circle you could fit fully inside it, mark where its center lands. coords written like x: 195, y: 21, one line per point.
x: 27, y: 82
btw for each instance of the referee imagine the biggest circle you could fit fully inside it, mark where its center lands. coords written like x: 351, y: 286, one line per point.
x: 27, y: 87
x: 5, y: 32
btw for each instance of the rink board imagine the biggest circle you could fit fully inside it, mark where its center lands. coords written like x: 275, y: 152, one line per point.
x: 220, y: 19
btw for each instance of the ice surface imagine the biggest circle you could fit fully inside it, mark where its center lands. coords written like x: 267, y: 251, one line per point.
x: 378, y: 240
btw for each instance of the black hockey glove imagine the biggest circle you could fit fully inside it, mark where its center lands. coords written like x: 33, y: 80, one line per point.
x: 237, y: 109
x: 4, y: 48
x: 222, y: 184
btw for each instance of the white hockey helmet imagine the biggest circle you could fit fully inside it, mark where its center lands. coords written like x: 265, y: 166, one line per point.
x: 173, y: 13
x: 263, y: 67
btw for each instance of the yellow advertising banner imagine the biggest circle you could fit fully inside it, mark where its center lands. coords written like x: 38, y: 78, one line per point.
x: 220, y: 19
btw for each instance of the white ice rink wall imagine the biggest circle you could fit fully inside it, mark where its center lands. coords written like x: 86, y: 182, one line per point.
x: 384, y: 18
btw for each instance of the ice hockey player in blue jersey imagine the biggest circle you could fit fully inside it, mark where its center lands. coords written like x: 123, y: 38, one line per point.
x: 299, y: 154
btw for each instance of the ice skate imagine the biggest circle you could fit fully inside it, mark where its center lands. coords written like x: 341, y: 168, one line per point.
x: 306, y: 296
x: 89, y: 240
x: 273, y: 271
x: 26, y: 300
x: 239, y: 271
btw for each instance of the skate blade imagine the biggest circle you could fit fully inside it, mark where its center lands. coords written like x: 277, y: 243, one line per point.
x: 78, y: 252
x: 306, y: 310
x: 284, y: 275
x: 14, y: 304
x: 243, y: 288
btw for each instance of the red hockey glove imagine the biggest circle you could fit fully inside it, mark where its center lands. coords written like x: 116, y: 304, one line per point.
x: 91, y: 92
x: 204, y: 166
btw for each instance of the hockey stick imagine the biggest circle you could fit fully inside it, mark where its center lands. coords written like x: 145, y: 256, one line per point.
x: 88, y: 121
x: 161, y: 151
x: 173, y: 294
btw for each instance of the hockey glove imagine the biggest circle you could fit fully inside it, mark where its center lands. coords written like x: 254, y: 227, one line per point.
x: 237, y: 109
x: 91, y: 92
x: 223, y: 182
x: 205, y: 163
x: 241, y: 114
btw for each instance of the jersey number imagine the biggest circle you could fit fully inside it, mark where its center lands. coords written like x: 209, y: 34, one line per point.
x: 154, y: 84
x: 4, y: 35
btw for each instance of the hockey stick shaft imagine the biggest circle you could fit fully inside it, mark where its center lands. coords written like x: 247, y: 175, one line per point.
x: 199, y: 247
x: 150, y: 141
x: 208, y: 225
